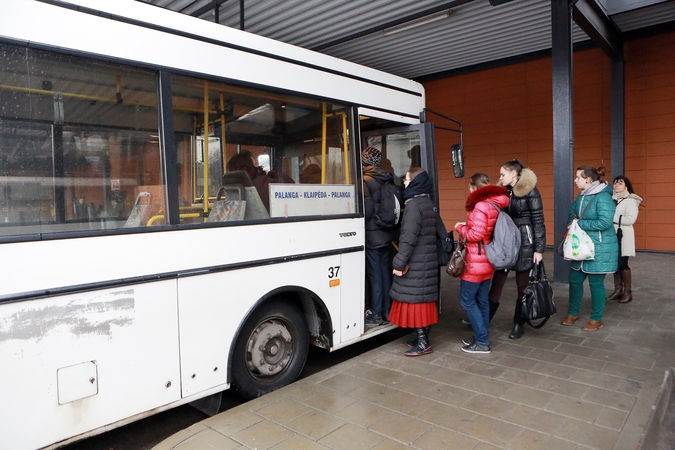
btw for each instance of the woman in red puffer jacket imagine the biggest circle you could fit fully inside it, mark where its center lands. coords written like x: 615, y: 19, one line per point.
x: 476, y: 279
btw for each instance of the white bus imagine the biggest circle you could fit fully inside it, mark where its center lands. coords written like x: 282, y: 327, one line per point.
x: 138, y: 270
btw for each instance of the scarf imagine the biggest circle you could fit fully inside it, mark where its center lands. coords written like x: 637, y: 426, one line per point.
x: 618, y: 196
x: 420, y: 185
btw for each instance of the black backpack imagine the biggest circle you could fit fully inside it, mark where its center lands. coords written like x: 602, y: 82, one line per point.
x: 388, y: 210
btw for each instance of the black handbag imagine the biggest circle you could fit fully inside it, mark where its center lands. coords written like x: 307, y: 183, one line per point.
x: 537, y: 301
x: 457, y: 263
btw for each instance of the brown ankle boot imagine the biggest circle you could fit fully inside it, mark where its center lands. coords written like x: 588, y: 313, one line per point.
x: 618, y: 288
x: 627, y: 291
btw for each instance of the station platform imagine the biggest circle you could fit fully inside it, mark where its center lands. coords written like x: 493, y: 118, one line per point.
x: 555, y: 388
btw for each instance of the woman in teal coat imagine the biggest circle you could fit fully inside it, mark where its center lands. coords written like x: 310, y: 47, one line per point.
x: 594, y: 208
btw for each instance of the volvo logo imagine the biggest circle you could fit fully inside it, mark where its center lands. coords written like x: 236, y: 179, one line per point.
x: 350, y: 234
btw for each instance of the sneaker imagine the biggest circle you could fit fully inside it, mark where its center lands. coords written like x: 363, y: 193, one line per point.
x: 465, y: 322
x: 476, y: 348
x: 469, y: 341
x: 373, y: 320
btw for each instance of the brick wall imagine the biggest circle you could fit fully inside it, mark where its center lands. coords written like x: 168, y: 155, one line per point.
x: 507, y: 113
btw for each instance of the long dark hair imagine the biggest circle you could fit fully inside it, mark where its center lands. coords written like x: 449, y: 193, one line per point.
x: 626, y: 181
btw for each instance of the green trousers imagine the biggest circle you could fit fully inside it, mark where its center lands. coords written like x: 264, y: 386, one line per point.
x: 596, y: 281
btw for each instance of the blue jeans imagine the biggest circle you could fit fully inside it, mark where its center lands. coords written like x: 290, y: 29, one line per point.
x: 379, y: 274
x: 474, y: 300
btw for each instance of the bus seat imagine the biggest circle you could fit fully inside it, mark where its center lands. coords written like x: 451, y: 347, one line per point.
x: 238, y: 179
x: 255, y: 209
x: 226, y: 210
x: 140, y: 212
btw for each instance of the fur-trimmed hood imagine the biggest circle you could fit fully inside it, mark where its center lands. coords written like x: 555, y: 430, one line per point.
x: 525, y: 184
x: 635, y: 197
x: 487, y: 193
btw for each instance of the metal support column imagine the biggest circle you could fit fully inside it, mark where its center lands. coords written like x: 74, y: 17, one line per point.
x: 618, y: 118
x: 591, y: 18
x: 242, y: 9
x: 563, y: 125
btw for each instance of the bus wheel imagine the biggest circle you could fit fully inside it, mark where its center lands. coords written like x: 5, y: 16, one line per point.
x: 271, y: 350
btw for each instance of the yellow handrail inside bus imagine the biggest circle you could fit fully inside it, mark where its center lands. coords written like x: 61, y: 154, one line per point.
x: 345, y: 142
x: 152, y: 220
x: 90, y: 97
x: 345, y: 145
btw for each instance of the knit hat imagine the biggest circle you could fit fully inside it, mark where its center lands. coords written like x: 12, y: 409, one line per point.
x: 371, y: 156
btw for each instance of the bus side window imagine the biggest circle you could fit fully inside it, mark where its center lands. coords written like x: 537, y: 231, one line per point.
x: 77, y: 159
x: 268, y: 135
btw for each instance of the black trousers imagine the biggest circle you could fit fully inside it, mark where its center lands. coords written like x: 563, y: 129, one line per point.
x: 498, y: 282
x: 623, y: 263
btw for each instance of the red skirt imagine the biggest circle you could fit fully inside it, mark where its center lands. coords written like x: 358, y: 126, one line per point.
x: 413, y: 315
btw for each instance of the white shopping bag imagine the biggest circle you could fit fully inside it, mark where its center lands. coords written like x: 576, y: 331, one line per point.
x: 578, y: 245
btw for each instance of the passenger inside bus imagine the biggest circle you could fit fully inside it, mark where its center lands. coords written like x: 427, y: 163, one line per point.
x: 260, y: 179
x: 311, y: 175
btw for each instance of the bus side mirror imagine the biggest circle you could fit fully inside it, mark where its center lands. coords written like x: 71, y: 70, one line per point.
x: 457, y: 160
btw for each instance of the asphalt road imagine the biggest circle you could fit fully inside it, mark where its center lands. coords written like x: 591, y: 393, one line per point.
x: 145, y: 434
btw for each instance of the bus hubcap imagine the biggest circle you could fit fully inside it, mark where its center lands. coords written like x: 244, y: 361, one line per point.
x: 270, y: 349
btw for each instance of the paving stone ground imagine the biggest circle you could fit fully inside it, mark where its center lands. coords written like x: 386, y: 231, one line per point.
x: 555, y: 388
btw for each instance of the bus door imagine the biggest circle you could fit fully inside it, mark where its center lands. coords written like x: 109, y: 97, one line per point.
x: 404, y: 147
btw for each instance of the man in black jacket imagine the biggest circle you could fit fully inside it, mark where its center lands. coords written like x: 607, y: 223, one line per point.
x: 378, y: 265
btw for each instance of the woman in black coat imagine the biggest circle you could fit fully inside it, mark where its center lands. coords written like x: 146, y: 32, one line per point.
x: 414, y: 292
x: 527, y: 211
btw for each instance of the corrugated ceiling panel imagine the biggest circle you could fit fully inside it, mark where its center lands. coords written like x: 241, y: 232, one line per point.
x: 645, y: 17
x: 175, y: 5
x: 474, y: 33
x: 310, y: 23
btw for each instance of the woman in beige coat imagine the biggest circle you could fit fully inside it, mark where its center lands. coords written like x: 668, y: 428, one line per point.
x: 627, y: 203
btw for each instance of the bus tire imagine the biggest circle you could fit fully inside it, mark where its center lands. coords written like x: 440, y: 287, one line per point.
x: 270, y: 351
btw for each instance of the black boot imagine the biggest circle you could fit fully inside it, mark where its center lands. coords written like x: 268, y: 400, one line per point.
x: 413, y: 343
x: 517, y: 331
x: 618, y: 288
x: 494, y: 306
x: 423, y: 346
